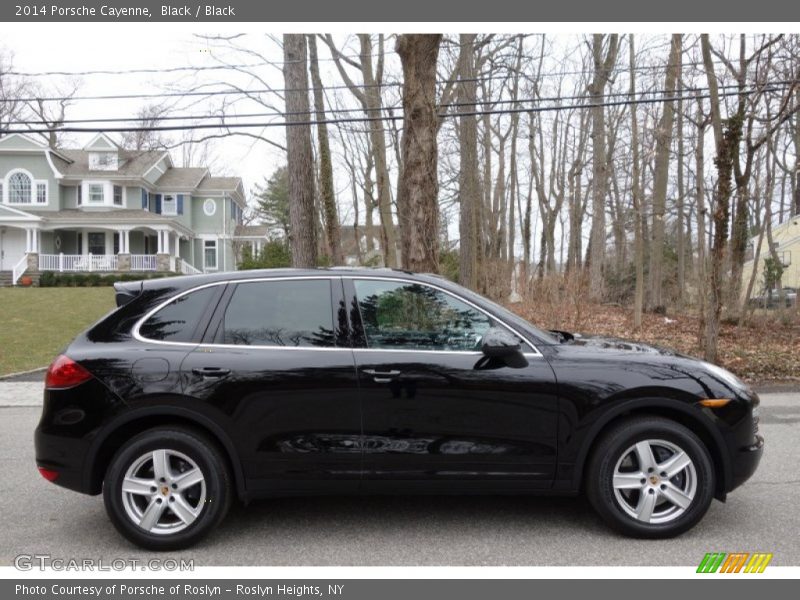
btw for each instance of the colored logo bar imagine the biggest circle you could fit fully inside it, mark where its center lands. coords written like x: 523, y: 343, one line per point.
x: 736, y: 562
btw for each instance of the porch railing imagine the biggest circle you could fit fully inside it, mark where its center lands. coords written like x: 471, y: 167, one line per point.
x: 78, y: 262
x: 143, y: 262
x: 188, y: 269
x: 19, y: 269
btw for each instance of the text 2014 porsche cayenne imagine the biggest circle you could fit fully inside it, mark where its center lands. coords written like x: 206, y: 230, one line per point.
x: 199, y: 389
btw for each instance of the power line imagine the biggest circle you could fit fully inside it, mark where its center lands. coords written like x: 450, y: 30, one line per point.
x: 233, y: 92
x: 444, y: 115
x: 642, y: 96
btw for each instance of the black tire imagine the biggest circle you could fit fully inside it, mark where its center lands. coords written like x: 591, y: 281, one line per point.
x: 216, y: 481
x: 613, y: 447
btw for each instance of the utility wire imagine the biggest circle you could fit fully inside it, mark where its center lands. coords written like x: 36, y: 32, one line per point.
x: 445, y: 115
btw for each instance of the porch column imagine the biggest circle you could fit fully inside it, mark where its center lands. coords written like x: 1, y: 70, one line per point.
x: 160, y: 246
x: 126, y: 241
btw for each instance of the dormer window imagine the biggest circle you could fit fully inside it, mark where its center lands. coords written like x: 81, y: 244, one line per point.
x: 103, y: 161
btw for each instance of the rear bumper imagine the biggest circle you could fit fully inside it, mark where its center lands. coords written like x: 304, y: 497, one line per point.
x: 67, y: 457
x: 745, y: 462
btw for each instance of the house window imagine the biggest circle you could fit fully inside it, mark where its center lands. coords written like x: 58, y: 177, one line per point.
x: 169, y: 206
x: 97, y: 243
x: 96, y: 194
x: 79, y: 194
x: 118, y: 195
x: 41, y: 193
x: 19, y: 189
x: 210, y: 255
x: 2, y: 198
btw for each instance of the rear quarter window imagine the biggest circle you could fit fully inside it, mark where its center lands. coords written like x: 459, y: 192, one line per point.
x: 180, y: 320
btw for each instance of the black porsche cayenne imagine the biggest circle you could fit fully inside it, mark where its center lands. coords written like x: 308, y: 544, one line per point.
x: 198, y: 390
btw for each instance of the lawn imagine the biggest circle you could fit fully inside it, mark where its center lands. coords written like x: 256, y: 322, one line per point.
x: 36, y: 323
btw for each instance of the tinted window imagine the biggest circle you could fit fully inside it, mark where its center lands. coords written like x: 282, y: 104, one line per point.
x: 280, y: 313
x: 409, y: 316
x: 178, y: 320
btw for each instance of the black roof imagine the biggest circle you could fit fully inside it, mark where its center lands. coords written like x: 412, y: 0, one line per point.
x: 128, y: 290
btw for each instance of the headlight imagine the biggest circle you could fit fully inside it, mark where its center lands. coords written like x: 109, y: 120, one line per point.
x: 727, y: 377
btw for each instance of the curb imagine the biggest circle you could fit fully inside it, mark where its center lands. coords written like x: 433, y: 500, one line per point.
x: 21, y: 373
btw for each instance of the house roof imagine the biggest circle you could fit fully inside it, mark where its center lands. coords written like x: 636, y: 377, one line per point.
x: 132, y: 163
x: 220, y: 184
x: 259, y: 231
x: 182, y: 177
x: 122, y: 214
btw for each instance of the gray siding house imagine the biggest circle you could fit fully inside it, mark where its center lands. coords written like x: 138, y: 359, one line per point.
x: 105, y: 209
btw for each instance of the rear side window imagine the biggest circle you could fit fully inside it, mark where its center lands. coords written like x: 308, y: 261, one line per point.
x: 280, y: 313
x: 179, y: 321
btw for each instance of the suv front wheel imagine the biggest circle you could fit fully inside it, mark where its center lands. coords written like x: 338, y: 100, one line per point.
x: 650, y: 477
x: 167, y: 488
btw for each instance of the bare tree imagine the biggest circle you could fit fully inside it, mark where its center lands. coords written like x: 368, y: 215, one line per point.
x: 469, y: 186
x: 299, y: 153
x: 326, y: 191
x: 604, y: 57
x: 663, y: 145
x: 418, y: 185
x: 369, y: 96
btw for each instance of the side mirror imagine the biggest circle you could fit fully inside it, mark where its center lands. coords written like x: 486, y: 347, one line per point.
x: 499, y: 343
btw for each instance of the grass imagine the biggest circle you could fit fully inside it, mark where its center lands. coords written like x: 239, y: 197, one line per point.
x: 37, y: 323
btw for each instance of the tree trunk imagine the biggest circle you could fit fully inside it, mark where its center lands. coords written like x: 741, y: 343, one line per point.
x: 661, y: 178
x: 418, y: 185
x: 726, y: 140
x: 597, y: 240
x: 638, y: 240
x: 326, y: 189
x: 469, y: 193
x: 299, y: 156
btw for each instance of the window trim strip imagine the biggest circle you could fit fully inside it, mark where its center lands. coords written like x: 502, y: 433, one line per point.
x: 135, y: 331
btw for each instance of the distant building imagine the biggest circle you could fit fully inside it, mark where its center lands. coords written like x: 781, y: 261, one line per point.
x: 786, y: 238
x: 105, y: 209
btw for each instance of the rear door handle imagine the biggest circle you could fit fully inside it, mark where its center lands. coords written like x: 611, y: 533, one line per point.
x: 382, y: 376
x: 211, y: 372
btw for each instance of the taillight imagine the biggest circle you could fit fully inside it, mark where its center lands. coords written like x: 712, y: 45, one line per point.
x: 48, y: 474
x: 65, y: 373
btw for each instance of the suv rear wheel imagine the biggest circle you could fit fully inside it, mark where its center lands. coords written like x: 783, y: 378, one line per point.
x: 650, y: 477
x: 167, y: 488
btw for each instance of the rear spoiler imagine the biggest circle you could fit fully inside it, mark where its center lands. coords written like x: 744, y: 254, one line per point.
x: 126, y: 291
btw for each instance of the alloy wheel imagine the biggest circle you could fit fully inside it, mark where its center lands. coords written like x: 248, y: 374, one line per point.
x: 163, y: 491
x: 655, y: 481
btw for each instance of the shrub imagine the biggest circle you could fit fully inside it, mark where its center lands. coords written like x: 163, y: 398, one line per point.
x: 53, y: 279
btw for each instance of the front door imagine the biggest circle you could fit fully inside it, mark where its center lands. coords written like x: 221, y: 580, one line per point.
x: 278, y: 364
x: 12, y: 247
x: 436, y: 411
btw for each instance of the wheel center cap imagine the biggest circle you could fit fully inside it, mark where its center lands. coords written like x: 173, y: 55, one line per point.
x: 165, y: 491
x: 654, y: 479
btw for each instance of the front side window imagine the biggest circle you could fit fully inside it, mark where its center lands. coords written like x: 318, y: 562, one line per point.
x: 96, y: 194
x: 179, y: 321
x: 409, y: 316
x: 210, y: 254
x: 19, y: 189
x: 280, y: 313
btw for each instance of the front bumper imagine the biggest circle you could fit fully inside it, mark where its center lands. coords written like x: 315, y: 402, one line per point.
x: 745, y: 462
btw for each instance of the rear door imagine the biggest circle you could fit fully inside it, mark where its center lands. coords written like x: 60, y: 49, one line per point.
x: 277, y: 366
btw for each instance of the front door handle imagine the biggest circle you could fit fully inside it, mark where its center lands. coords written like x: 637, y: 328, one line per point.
x: 382, y: 376
x: 211, y: 372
